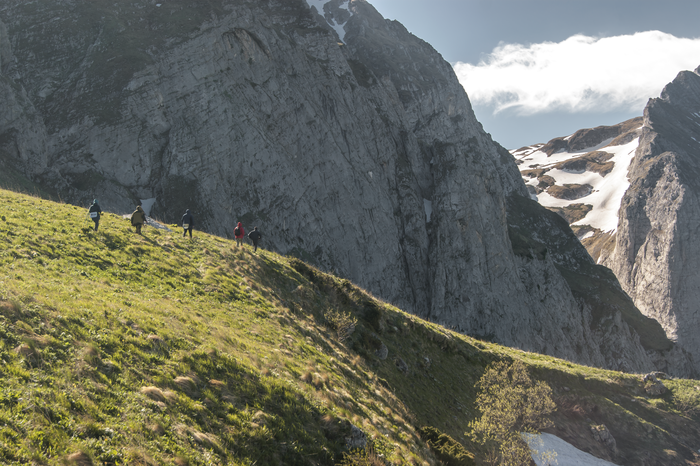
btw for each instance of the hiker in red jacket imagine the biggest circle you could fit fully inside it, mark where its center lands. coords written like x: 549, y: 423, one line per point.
x: 239, y: 233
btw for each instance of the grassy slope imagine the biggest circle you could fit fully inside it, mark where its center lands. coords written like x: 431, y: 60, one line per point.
x: 158, y: 350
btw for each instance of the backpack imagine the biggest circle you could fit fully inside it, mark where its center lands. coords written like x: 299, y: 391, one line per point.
x: 236, y: 231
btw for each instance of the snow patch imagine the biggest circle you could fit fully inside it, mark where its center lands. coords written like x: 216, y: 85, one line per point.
x: 332, y: 22
x: 428, y: 206
x: 156, y: 224
x: 566, y: 454
x: 147, y: 205
x: 607, y: 192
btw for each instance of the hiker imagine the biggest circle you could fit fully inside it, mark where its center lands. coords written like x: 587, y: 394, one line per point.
x: 239, y: 233
x: 187, y: 223
x: 255, y: 236
x: 94, y: 212
x: 138, y: 218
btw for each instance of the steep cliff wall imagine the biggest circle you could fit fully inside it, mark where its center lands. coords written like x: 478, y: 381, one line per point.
x: 352, y: 147
x: 22, y: 133
x: 656, y: 252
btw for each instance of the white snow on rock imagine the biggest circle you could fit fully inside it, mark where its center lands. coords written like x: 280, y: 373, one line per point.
x: 150, y: 222
x: 428, y: 206
x: 542, y: 445
x: 332, y: 22
x: 147, y: 204
x: 607, y: 191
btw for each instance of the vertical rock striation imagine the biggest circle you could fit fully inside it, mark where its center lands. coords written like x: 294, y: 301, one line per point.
x: 656, y: 252
x: 22, y: 133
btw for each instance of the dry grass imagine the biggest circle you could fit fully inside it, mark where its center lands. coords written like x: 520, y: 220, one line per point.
x: 154, y: 393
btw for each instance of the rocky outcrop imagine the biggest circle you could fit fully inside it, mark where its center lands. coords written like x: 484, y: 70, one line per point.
x: 656, y: 250
x: 607, y: 318
x: 590, y: 137
x: 353, y: 147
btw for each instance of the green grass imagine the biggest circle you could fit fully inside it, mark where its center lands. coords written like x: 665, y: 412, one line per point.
x: 155, y: 349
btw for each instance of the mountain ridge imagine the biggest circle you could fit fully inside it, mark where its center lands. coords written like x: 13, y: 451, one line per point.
x: 650, y: 214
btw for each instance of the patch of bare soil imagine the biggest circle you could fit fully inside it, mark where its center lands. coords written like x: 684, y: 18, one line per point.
x: 591, y: 137
x: 570, y: 191
x: 545, y: 182
x: 573, y: 212
x: 596, y: 161
x: 536, y: 173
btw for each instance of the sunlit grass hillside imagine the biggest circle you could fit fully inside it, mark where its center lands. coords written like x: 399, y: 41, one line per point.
x: 124, y: 349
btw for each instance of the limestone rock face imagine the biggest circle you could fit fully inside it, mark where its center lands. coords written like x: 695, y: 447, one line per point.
x: 588, y: 306
x: 22, y: 133
x: 657, y: 252
x: 348, y: 141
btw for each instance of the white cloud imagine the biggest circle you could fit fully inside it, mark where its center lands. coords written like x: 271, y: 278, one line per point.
x: 579, y: 74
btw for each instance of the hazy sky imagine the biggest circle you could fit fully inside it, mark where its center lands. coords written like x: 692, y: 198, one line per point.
x: 539, y: 69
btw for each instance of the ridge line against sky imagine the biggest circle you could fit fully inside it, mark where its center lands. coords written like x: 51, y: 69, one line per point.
x: 539, y: 69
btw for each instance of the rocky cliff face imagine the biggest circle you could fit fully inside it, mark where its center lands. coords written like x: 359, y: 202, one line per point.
x: 656, y: 252
x: 650, y: 246
x: 346, y: 139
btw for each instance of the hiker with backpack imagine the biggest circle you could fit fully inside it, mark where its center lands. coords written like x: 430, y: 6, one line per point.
x: 239, y: 234
x: 94, y: 213
x: 187, y: 223
x: 255, y: 236
x: 138, y: 218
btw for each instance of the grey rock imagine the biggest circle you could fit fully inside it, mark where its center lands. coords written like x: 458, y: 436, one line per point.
x: 382, y: 352
x: 602, y: 434
x: 656, y: 252
x: 652, y: 385
x: 401, y: 365
x: 655, y: 388
x: 426, y: 362
x: 357, y: 439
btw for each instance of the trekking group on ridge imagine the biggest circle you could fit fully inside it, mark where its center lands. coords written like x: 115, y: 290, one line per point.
x: 138, y: 220
x: 254, y: 236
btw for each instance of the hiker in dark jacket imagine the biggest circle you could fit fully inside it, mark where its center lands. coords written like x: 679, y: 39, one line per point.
x: 255, y: 236
x: 94, y: 212
x: 138, y: 218
x: 187, y: 223
x: 239, y: 234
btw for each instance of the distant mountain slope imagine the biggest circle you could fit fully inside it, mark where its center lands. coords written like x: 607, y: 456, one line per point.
x: 630, y: 192
x: 656, y: 252
x: 583, y: 177
x: 142, y: 350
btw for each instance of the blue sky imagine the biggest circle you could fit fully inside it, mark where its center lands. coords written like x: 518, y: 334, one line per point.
x: 539, y: 69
